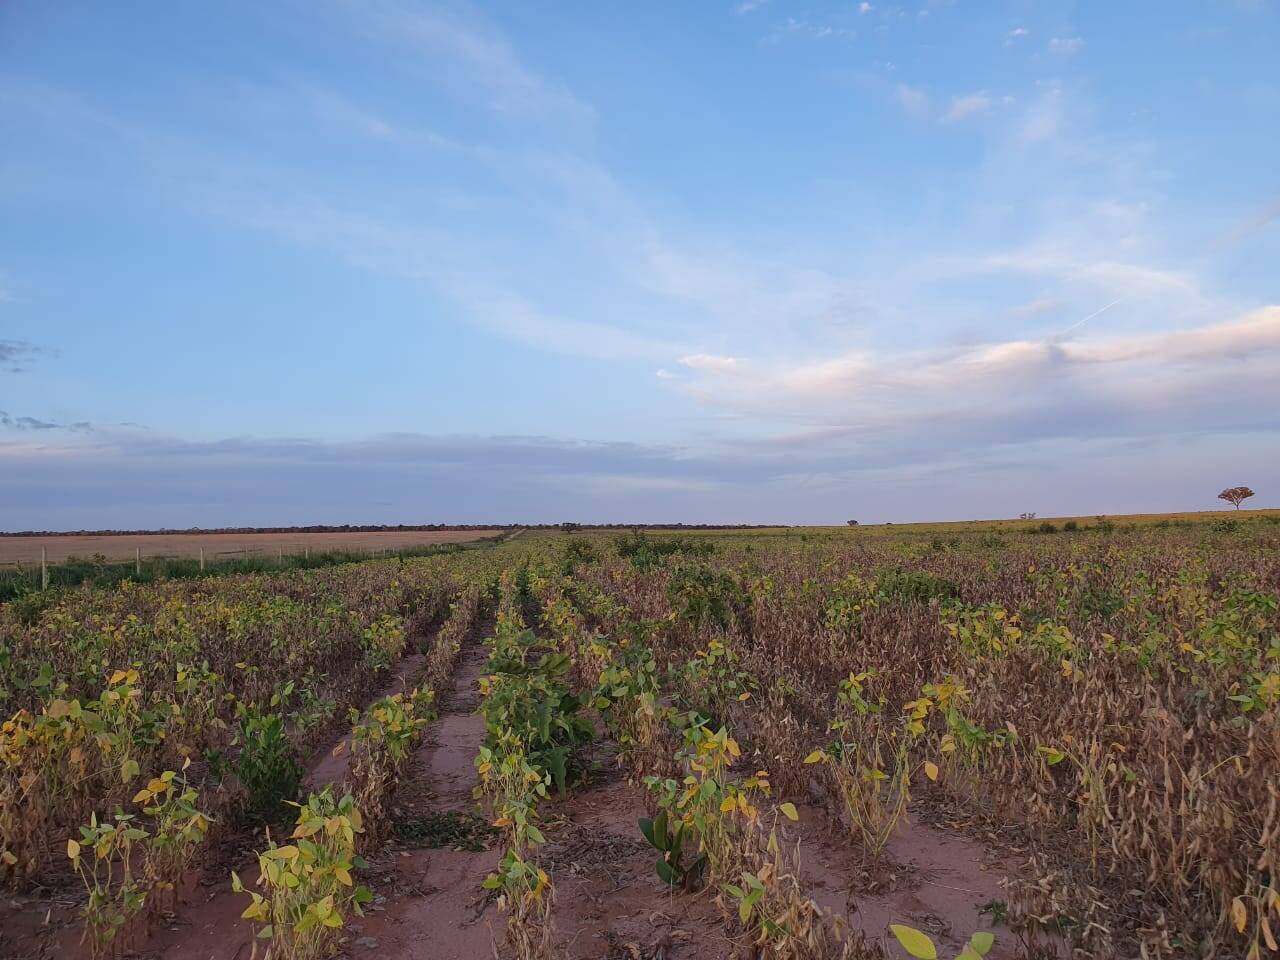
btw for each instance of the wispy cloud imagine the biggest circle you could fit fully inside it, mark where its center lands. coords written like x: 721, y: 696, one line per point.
x: 459, y: 43
x: 1016, y: 34
x: 33, y: 423
x: 809, y: 29
x: 1065, y: 46
x: 969, y: 105
x: 912, y: 99
x: 749, y: 6
x: 15, y: 353
x: 1267, y: 214
x: 1043, y: 120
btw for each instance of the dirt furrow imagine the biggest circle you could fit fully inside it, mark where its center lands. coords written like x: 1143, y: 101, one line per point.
x: 609, y: 900
x: 429, y: 900
x: 209, y: 927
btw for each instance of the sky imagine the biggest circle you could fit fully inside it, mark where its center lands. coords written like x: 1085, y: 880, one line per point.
x: 774, y: 261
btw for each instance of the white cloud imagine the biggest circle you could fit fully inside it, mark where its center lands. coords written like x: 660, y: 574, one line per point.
x: 1033, y: 308
x: 810, y: 30
x: 459, y: 44
x: 865, y: 8
x: 1145, y: 385
x: 967, y: 106
x: 747, y: 6
x: 1017, y: 33
x: 1065, y: 46
x: 707, y: 361
x: 1264, y: 216
x: 913, y: 100
x: 1043, y: 119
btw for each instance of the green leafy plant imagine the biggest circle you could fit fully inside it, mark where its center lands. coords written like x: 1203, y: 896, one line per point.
x: 668, y: 838
x: 268, y: 766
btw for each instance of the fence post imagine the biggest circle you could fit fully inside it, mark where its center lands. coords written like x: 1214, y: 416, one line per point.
x: 137, y: 560
x: 44, y: 569
x: 202, y: 559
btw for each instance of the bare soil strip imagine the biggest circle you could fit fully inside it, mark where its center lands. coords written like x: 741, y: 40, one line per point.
x: 609, y: 900
x: 927, y: 879
x: 430, y: 902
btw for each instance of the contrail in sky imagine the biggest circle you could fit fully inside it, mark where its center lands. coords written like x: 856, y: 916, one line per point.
x: 1096, y: 313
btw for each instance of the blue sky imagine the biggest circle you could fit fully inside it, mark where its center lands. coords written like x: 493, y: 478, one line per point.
x: 729, y: 262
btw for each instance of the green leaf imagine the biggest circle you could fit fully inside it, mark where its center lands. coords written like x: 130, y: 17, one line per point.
x: 914, y: 942
x: 982, y: 942
x: 789, y: 811
x: 646, y: 828
x: 667, y: 874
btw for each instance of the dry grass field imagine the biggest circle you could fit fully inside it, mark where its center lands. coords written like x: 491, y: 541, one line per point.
x: 215, y: 545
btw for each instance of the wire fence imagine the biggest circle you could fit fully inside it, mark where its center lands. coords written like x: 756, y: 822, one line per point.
x: 19, y: 578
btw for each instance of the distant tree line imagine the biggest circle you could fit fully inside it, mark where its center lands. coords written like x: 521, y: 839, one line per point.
x: 391, y: 528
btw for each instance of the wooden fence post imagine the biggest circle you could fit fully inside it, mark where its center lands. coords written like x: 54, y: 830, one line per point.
x: 202, y: 559
x: 44, y: 569
x: 137, y: 560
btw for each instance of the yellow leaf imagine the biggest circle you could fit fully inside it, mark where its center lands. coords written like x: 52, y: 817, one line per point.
x: 744, y: 696
x: 816, y: 757
x: 342, y: 874
x: 914, y: 942
x: 73, y: 850
x: 789, y: 811
x: 1239, y: 913
x: 1267, y: 934
x: 931, y: 770
x: 727, y: 804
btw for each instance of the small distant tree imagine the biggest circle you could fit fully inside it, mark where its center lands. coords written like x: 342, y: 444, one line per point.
x: 570, y: 527
x: 1027, y: 516
x: 1235, y: 495
x: 852, y: 523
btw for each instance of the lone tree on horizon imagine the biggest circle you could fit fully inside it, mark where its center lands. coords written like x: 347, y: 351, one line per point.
x: 1235, y: 495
